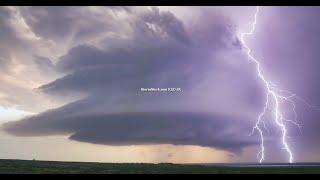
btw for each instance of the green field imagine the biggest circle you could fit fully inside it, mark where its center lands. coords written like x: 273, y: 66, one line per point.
x: 52, y: 167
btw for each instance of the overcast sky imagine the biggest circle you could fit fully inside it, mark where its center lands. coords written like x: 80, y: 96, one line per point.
x: 71, y: 78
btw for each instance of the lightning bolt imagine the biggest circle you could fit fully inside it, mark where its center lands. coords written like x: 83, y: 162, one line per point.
x: 274, y: 99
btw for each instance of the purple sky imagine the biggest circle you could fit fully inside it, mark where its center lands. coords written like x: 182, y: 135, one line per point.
x: 77, y: 72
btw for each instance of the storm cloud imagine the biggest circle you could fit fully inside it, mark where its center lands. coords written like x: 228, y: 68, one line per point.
x: 178, y: 128
x: 108, y: 61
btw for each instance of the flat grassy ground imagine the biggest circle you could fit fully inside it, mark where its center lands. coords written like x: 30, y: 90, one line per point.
x: 52, y: 167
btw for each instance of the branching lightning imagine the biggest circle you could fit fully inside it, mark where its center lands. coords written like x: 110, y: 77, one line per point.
x: 274, y: 100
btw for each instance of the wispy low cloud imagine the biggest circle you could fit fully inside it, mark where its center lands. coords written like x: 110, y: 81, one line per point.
x: 136, y: 128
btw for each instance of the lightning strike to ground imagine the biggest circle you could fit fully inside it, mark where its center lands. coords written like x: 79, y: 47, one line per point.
x: 274, y: 99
